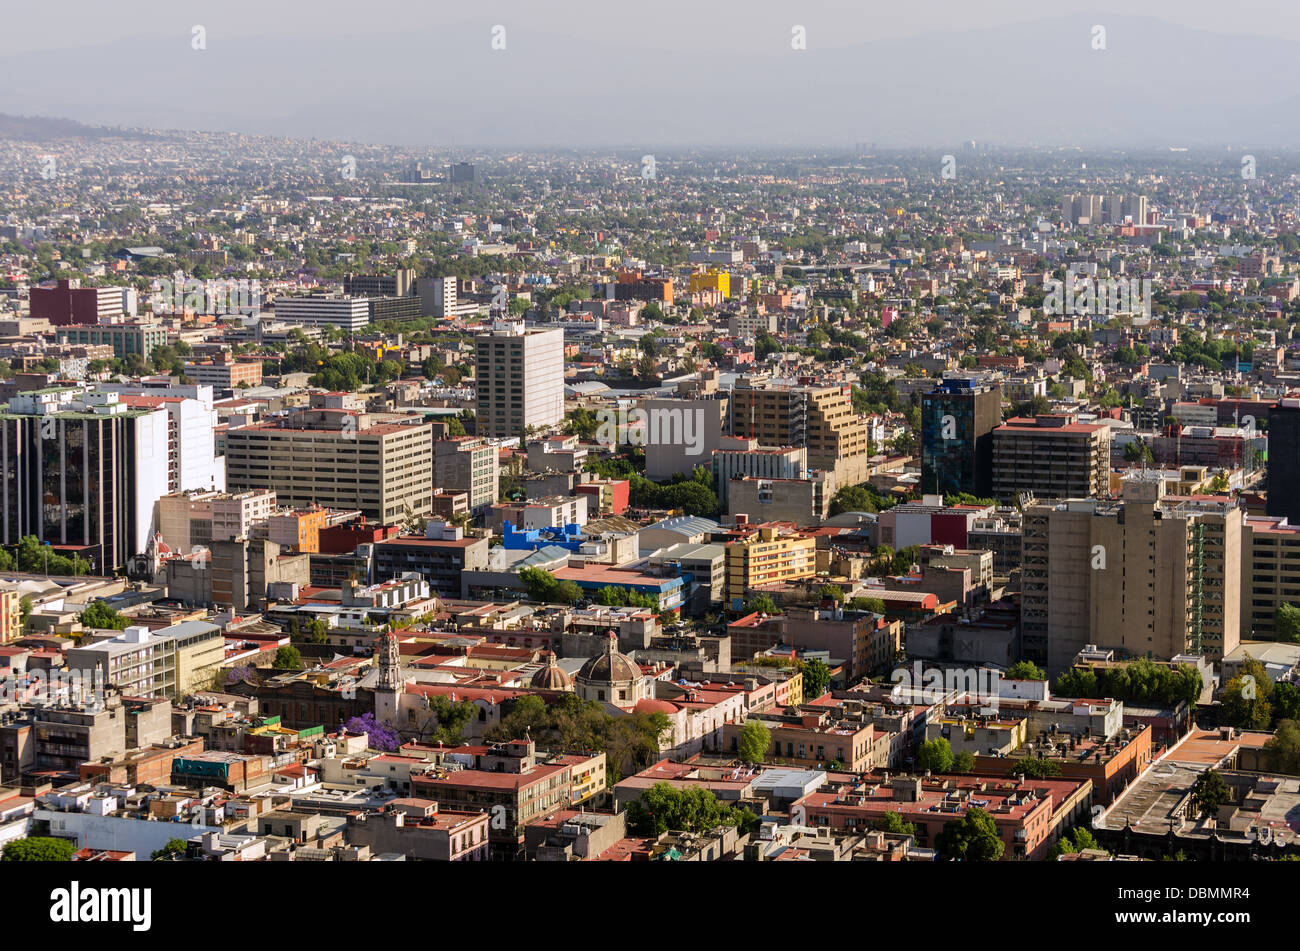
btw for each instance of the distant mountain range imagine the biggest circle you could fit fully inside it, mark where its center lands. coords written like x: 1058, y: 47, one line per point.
x: 1040, y: 83
x: 44, y: 129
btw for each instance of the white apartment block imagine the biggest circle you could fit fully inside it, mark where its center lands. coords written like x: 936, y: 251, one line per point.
x: 520, y: 379
x: 196, y: 518
x: 347, y: 313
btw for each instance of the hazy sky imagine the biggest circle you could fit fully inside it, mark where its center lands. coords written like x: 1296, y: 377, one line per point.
x: 660, y: 73
x: 667, y: 24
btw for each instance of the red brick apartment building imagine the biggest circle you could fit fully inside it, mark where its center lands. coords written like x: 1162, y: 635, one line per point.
x: 1029, y: 814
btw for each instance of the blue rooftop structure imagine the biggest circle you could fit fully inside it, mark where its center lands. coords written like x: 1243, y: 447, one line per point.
x: 569, y: 537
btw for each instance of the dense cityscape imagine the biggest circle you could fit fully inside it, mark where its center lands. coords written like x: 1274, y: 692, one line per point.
x: 374, y: 503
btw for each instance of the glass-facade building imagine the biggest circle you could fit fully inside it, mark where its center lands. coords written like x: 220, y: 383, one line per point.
x: 957, y: 421
x: 66, y: 480
x: 1284, y: 460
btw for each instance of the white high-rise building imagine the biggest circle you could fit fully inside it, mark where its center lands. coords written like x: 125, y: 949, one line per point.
x: 520, y: 379
x: 193, y: 462
x: 83, y: 470
x: 347, y: 313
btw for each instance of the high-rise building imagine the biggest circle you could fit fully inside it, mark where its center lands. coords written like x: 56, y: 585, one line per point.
x: 957, y: 421
x: 440, y: 297
x: 1052, y: 457
x: 394, y: 308
x: 235, y: 573
x: 338, y: 459
x: 190, y: 519
x: 520, y: 380
x: 802, y: 501
x: 719, y: 281
x: 417, y: 173
x: 632, y: 285
x: 462, y: 173
x: 169, y: 662
x: 347, y: 313
x: 11, y: 620
x: 681, y: 434
x: 1284, y: 460
x: 82, y: 471
x: 765, y: 557
x: 441, y: 557
x: 470, y: 465
x: 737, y: 458
x: 401, y: 283
x: 192, y: 460
x: 1149, y: 576
x: 1270, y: 570
x: 224, y: 372
x: 67, y: 302
x: 125, y: 339
x: 1136, y: 208
x: 818, y: 418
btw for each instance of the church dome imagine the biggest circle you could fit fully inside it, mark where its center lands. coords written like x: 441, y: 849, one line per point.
x: 551, y: 677
x: 610, y: 667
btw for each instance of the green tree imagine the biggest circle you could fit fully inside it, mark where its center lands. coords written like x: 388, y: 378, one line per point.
x: 663, y: 808
x: 36, y: 558
x: 832, y: 592
x: 963, y: 762
x: 618, y: 596
x: 1025, y: 670
x: 853, y: 498
x: 816, y: 678
x: 449, y: 720
x: 874, y: 605
x: 1209, y: 792
x: 1084, y: 839
x: 1074, y: 840
x: 100, y: 616
x: 935, y: 755
x: 1287, y: 621
x: 540, y: 585
x: 1286, y: 701
x: 904, y: 559
x: 1037, y: 767
x: 582, y: 423
x: 528, y: 716
x: 287, y: 658
x: 1282, y: 751
x: 1246, y: 697
x: 754, y: 741
x: 174, y: 849
x: 763, y: 604
x: 39, y: 849
x: 567, y: 592
x: 892, y: 822
x: 972, y: 838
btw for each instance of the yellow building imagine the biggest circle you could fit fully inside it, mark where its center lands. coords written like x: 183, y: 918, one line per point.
x: 11, y: 617
x: 719, y: 281
x: 766, y: 558
x: 587, y: 777
x: 299, y: 530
